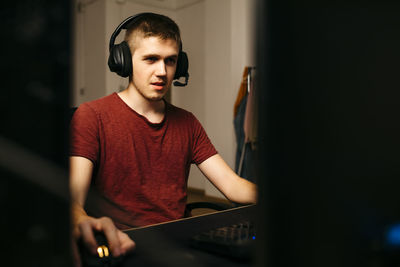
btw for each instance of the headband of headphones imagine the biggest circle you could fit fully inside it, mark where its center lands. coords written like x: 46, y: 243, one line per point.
x: 120, y: 58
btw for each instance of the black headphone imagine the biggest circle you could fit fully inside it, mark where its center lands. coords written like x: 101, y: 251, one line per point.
x: 120, y: 58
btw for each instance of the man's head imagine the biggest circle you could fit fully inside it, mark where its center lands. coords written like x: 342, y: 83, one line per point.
x: 154, y: 43
x: 141, y: 26
x: 152, y: 25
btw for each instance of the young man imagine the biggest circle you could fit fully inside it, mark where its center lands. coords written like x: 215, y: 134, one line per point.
x: 135, y: 150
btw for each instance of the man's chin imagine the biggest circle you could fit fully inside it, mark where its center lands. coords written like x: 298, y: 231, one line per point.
x: 155, y: 98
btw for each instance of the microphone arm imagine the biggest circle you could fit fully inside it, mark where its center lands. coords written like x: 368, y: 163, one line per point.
x: 178, y: 83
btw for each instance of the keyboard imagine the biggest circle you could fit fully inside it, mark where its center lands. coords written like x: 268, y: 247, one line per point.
x: 236, y: 241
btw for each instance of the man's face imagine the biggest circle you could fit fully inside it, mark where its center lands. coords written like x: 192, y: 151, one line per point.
x: 154, y: 65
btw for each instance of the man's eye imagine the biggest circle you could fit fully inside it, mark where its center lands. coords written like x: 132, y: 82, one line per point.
x: 170, y: 61
x: 151, y: 59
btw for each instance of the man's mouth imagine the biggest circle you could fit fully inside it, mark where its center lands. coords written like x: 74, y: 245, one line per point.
x: 158, y: 85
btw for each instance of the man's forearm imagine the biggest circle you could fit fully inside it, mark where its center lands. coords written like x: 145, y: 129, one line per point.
x: 243, y: 192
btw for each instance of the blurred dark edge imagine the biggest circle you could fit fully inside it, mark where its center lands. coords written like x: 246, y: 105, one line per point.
x: 34, y: 101
x: 328, y: 163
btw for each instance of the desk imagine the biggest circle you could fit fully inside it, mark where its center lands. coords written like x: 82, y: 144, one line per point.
x: 167, y: 244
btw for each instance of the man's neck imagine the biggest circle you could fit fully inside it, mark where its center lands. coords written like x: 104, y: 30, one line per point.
x: 153, y: 110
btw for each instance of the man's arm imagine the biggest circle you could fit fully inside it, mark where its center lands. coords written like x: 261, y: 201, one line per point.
x: 81, y: 170
x: 235, y: 188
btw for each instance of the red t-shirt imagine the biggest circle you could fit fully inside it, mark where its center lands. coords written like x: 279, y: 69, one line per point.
x: 140, y: 168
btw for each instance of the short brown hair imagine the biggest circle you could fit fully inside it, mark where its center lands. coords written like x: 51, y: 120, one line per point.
x: 151, y: 24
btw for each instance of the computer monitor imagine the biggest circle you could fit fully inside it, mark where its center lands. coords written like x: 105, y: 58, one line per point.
x: 34, y: 95
x: 329, y: 162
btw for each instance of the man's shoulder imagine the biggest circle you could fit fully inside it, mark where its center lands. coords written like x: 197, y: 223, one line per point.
x: 179, y: 112
x: 99, y: 105
x: 101, y: 102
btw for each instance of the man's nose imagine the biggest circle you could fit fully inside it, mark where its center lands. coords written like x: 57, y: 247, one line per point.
x: 161, y: 69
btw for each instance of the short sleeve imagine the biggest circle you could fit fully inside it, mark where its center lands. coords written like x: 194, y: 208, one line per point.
x: 202, y: 146
x: 84, y: 133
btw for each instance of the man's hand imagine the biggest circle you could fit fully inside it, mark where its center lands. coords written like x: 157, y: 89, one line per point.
x: 118, y: 241
x: 84, y: 226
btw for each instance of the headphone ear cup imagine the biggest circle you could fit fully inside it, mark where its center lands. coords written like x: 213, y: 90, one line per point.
x: 182, y: 65
x: 120, y: 59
